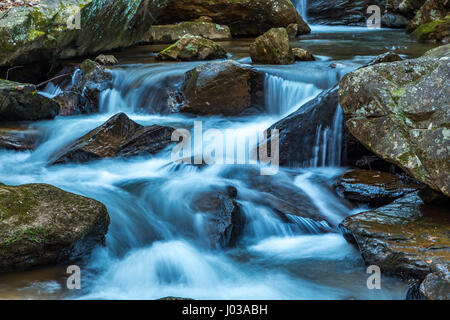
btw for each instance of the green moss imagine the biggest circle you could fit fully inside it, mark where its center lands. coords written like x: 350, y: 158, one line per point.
x: 16, y: 204
x: 36, y: 235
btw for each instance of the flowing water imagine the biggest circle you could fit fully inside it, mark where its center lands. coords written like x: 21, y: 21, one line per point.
x: 156, y: 243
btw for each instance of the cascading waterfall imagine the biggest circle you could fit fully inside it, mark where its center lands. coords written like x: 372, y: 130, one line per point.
x: 302, y: 8
x: 156, y: 243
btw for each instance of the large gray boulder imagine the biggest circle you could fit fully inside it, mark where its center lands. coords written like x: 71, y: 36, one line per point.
x: 170, y: 33
x: 400, y: 111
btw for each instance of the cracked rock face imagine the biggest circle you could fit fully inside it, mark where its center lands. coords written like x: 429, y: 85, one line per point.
x: 400, y: 111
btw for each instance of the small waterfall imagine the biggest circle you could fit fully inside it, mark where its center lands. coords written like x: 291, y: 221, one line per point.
x: 284, y: 96
x: 327, y: 148
x: 301, y: 6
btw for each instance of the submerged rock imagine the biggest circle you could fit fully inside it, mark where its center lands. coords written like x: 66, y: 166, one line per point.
x: 174, y: 32
x: 224, y: 87
x: 21, y: 101
x: 374, y: 187
x: 18, y: 138
x: 52, y: 30
x: 400, y: 112
x: 246, y: 18
x: 273, y: 47
x: 119, y: 136
x: 302, y: 55
x: 436, y: 285
x: 191, y: 48
x: 405, y: 237
x: 385, y: 57
x: 42, y: 225
x: 226, y: 219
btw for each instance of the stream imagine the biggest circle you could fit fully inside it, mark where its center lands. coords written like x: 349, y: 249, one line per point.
x: 156, y: 246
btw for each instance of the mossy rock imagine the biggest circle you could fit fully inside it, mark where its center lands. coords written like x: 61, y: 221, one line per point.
x: 438, y: 30
x: 192, y: 48
x: 41, y: 224
x: 19, y: 101
x: 273, y: 47
x: 399, y: 111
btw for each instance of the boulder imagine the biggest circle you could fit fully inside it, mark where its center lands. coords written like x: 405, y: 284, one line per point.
x: 400, y: 112
x: 407, y: 8
x: 170, y: 33
x: 438, y: 52
x: 224, y: 87
x: 432, y: 10
x: 273, y: 47
x: 292, y: 31
x: 226, y: 220
x: 18, y: 138
x: 436, y: 285
x: 106, y: 60
x: 302, y: 55
x: 405, y: 238
x: 246, y: 18
x: 392, y: 20
x: 42, y: 225
x: 119, y: 136
x: 51, y: 31
x: 19, y: 101
x: 191, y: 48
x: 374, y: 187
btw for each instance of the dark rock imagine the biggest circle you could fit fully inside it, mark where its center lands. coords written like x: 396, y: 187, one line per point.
x: 72, y: 103
x: 41, y: 225
x: 405, y: 238
x: 432, y: 10
x: 385, y: 57
x: 374, y: 187
x: 400, y: 112
x: 246, y: 18
x: 224, y: 87
x: 392, y: 20
x: 119, y: 136
x: 226, y: 220
x: 19, y: 101
x: 436, y: 285
x: 273, y: 47
x: 191, y: 48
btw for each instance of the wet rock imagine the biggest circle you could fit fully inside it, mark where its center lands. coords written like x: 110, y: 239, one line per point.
x: 191, y: 48
x: 432, y: 10
x: 407, y: 8
x: 299, y: 131
x: 374, y: 187
x: 204, y: 19
x: 405, y: 238
x: 273, y: 47
x: 42, y: 225
x: 171, y: 33
x: 106, y: 60
x: 400, y: 112
x: 292, y: 31
x: 18, y: 138
x: 19, y: 101
x: 436, y: 285
x: 438, y: 52
x: 246, y: 18
x: 226, y: 220
x: 119, y: 136
x: 43, y: 33
x: 302, y: 55
x: 224, y: 87
x: 385, y: 57
x: 81, y: 95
